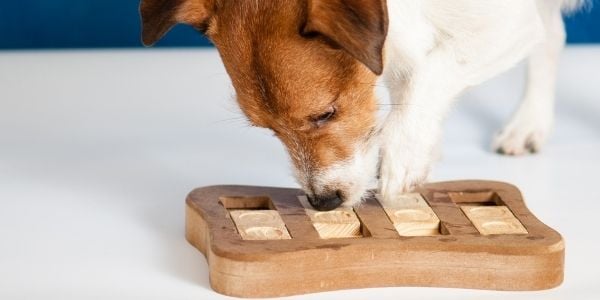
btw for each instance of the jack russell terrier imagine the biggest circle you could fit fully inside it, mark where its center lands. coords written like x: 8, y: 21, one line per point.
x: 306, y: 69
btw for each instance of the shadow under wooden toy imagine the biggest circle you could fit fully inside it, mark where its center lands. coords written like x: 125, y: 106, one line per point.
x: 266, y: 242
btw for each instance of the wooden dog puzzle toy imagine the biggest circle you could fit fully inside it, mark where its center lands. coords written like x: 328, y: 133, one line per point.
x: 267, y: 242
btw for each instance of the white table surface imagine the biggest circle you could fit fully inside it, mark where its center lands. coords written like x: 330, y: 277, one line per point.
x: 98, y: 150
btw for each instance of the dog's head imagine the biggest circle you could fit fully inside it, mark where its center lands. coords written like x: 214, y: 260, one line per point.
x: 306, y: 69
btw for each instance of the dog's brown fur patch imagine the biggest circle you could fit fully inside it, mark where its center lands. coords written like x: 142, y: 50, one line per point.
x: 288, y: 69
x: 283, y: 80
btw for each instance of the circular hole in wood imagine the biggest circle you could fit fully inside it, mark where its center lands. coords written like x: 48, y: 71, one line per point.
x: 265, y: 232
x: 256, y: 217
x: 412, y: 214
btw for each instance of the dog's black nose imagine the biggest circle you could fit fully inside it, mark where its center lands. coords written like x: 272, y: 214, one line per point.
x: 326, y: 202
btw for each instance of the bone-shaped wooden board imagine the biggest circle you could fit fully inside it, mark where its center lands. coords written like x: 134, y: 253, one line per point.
x: 263, y: 242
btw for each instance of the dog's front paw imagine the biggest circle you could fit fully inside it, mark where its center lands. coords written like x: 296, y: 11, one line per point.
x: 398, y: 176
x: 523, y: 135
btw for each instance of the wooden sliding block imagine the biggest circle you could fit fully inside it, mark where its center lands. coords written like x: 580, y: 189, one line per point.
x: 411, y: 216
x: 493, y: 220
x: 418, y: 221
x: 259, y: 224
x: 341, y: 222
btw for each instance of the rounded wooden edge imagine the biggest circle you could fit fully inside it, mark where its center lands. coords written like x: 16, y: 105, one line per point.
x: 258, y: 286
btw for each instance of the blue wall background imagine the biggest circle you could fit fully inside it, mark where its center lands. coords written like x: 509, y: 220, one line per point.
x: 26, y: 24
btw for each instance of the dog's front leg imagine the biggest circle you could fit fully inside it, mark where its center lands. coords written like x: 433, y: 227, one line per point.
x: 411, y: 132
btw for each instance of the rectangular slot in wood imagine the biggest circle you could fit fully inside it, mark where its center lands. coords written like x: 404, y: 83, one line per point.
x: 487, y: 212
x: 341, y: 222
x: 480, y: 198
x: 411, y: 215
x: 493, y: 219
x: 251, y: 202
x: 255, y: 218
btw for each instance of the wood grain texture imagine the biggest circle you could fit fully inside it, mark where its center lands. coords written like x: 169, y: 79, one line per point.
x: 493, y: 220
x: 412, y: 216
x: 460, y: 257
x: 454, y: 221
x: 408, y: 200
x: 338, y: 223
x: 259, y: 224
x: 418, y: 221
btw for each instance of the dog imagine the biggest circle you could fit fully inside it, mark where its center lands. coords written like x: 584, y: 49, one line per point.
x: 306, y: 69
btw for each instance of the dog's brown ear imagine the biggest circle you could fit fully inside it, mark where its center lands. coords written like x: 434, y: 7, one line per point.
x: 159, y: 16
x: 357, y: 26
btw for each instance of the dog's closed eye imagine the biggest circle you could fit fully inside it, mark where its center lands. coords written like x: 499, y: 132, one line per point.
x: 321, y: 119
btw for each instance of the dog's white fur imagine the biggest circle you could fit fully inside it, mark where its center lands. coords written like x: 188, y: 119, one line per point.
x: 434, y: 50
x: 353, y: 176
